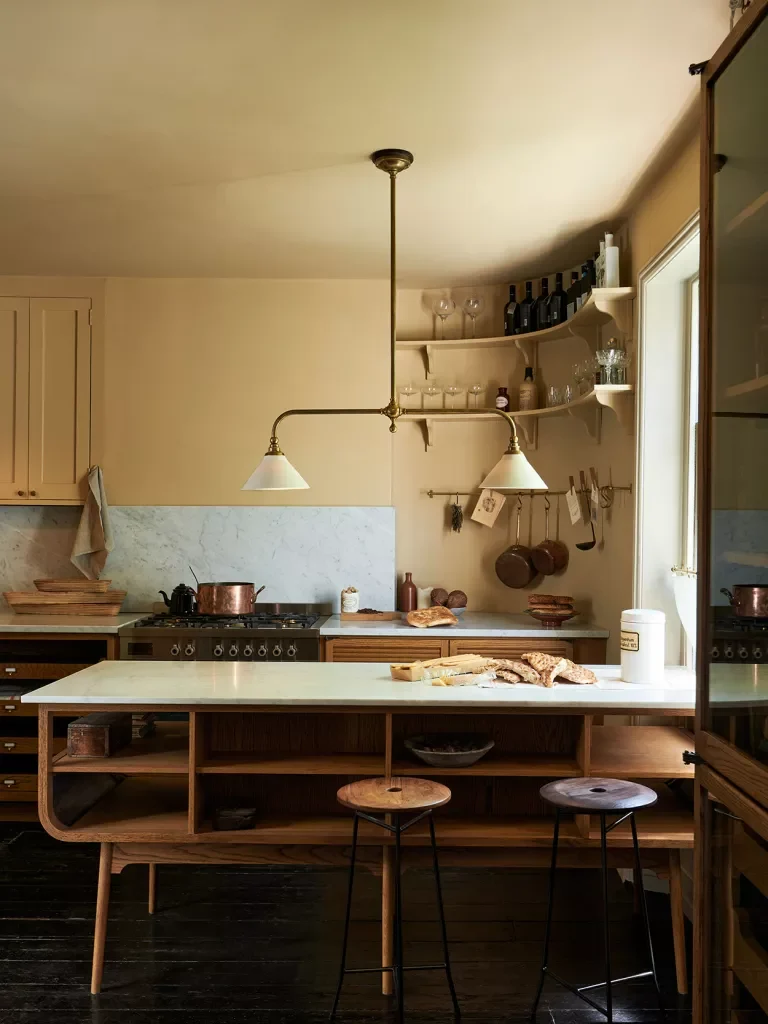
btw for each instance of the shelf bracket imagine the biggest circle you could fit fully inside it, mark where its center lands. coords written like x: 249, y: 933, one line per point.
x: 623, y: 405
x: 523, y: 350
x: 590, y: 416
x: 428, y: 353
x: 589, y: 333
x: 619, y: 310
x: 427, y: 429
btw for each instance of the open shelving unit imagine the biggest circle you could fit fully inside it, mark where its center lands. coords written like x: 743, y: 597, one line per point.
x: 603, y: 305
x: 619, y: 398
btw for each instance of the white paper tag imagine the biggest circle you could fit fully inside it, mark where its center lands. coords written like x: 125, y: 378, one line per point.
x: 594, y: 500
x: 574, y: 506
x: 488, y: 506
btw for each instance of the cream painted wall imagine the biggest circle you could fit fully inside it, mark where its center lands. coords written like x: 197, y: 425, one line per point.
x: 196, y: 371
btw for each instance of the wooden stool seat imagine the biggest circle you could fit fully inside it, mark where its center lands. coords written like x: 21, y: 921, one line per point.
x: 604, y: 796
x: 390, y: 796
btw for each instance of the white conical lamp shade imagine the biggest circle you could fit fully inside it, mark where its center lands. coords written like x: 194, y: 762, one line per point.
x: 513, y: 472
x: 275, y: 473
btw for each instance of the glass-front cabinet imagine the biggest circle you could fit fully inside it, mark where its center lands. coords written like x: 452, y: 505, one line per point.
x: 731, y: 929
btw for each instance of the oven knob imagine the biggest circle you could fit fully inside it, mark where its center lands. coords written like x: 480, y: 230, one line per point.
x: 277, y: 651
x: 757, y: 653
x: 175, y: 651
x: 262, y: 652
x: 189, y: 650
x: 715, y: 652
x: 743, y: 652
x: 728, y: 652
x: 234, y: 650
x: 218, y: 650
x: 292, y: 651
x: 248, y: 651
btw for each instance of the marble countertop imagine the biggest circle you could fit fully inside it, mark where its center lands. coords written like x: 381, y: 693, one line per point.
x: 144, y: 684
x: 480, y: 624
x: 10, y: 623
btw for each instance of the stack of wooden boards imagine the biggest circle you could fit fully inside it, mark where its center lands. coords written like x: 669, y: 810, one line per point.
x: 534, y: 668
x: 67, y: 597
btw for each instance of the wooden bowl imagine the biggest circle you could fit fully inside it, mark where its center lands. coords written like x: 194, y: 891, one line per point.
x: 447, y: 758
x: 552, y: 619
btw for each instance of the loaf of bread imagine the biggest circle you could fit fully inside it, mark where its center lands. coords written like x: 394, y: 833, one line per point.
x: 436, y: 616
x: 550, y: 600
x: 577, y: 673
x: 456, y: 599
x: 520, y: 668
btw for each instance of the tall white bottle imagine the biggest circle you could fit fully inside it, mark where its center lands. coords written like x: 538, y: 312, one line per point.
x: 611, y: 262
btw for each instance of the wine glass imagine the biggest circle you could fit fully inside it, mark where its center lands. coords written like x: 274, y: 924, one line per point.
x: 453, y: 393
x: 443, y: 308
x: 407, y: 391
x: 473, y: 307
x: 474, y: 391
x: 431, y: 393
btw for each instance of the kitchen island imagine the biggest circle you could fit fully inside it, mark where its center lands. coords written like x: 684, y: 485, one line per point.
x: 284, y: 737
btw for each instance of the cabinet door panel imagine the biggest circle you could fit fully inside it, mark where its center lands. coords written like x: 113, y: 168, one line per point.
x: 384, y: 649
x: 511, y: 647
x: 59, y: 397
x: 14, y: 397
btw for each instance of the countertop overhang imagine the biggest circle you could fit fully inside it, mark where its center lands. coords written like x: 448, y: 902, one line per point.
x: 479, y: 624
x: 349, y: 685
x: 12, y: 623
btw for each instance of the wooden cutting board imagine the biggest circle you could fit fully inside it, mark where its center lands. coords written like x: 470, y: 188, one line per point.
x: 370, y: 616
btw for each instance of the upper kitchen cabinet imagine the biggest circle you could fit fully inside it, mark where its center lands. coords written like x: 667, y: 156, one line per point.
x: 45, y: 406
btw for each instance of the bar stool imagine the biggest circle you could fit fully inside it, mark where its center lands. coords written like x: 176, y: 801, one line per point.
x: 395, y: 797
x: 603, y: 797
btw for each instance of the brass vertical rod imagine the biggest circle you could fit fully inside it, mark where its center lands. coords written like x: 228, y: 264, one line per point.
x: 392, y: 284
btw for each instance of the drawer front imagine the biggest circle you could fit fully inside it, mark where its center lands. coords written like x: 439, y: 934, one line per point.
x: 18, y: 744
x: 18, y: 787
x: 13, y: 706
x: 384, y: 649
x: 10, y: 670
x: 511, y: 647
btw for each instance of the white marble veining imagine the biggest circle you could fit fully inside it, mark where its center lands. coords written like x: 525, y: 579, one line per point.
x: 299, y: 553
x: 325, y: 684
x: 479, y: 624
x: 10, y: 623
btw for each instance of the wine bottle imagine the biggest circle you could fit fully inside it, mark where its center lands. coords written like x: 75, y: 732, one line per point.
x: 571, y: 294
x: 512, y: 313
x: 557, y: 304
x: 583, y: 286
x: 526, y: 310
x: 541, y: 308
x: 528, y: 396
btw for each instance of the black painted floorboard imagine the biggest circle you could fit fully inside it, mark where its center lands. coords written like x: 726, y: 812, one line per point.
x: 260, y: 945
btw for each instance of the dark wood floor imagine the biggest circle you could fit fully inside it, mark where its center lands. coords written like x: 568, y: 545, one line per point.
x: 260, y: 945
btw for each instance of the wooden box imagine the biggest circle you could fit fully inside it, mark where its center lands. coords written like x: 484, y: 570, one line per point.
x: 101, y: 734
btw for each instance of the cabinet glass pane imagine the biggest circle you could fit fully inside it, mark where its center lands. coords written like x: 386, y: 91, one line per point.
x: 738, y: 686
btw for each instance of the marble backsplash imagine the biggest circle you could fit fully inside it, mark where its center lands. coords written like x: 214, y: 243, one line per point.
x: 298, y: 553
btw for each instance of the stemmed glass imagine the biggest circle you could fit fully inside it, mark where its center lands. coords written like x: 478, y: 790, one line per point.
x: 443, y: 308
x: 407, y: 391
x: 431, y: 393
x: 474, y: 391
x: 453, y: 393
x: 473, y: 307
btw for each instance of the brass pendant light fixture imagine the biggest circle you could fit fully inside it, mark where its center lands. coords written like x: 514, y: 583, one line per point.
x: 513, y: 472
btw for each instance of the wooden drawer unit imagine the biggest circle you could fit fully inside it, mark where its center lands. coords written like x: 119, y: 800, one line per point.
x: 12, y: 706
x: 44, y: 671
x: 18, y: 744
x: 385, y: 649
x: 18, y: 786
x: 510, y: 647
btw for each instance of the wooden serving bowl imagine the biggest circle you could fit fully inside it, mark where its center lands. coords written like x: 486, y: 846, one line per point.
x: 552, y: 619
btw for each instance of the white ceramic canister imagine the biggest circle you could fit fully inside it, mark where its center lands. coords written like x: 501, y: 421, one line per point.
x: 350, y: 600
x: 642, y: 646
x: 424, y: 597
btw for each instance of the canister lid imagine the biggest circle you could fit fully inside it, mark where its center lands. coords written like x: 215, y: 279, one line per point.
x: 643, y: 615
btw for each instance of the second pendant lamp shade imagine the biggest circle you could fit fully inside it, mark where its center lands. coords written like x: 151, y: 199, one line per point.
x: 275, y: 473
x: 513, y: 472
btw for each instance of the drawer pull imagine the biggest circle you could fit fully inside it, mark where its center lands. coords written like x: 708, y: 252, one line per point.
x: 10, y: 669
x: 9, y: 782
x: 11, y: 707
x: 9, y: 746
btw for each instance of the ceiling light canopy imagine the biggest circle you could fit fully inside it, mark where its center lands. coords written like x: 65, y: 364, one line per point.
x: 512, y: 472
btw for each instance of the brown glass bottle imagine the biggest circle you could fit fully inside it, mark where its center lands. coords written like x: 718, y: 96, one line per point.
x: 407, y: 596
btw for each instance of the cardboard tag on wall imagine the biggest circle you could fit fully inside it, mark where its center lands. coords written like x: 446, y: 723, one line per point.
x: 488, y: 506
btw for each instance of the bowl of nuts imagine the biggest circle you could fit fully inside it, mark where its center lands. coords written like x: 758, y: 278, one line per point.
x: 449, y: 751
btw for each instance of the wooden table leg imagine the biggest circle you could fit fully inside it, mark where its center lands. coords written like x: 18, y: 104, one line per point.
x: 152, y: 897
x: 102, y: 910
x: 387, y: 912
x: 678, y: 921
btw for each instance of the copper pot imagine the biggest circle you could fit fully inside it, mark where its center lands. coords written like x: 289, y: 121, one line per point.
x: 226, y: 598
x: 514, y: 566
x: 748, y: 600
x: 549, y: 556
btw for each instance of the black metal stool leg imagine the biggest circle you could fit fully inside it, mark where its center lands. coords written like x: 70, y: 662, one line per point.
x: 606, y: 922
x: 644, y: 911
x: 548, y: 929
x: 441, y: 911
x: 398, y: 957
x: 347, y: 917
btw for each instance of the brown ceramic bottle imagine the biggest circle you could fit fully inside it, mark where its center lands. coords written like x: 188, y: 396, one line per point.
x: 407, y: 595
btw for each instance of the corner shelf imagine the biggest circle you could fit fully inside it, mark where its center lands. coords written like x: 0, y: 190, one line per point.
x: 603, y: 305
x: 620, y: 398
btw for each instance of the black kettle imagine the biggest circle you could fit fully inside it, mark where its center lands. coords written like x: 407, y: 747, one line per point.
x: 181, y: 601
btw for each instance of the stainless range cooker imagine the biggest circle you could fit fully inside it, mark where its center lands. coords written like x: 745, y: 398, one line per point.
x: 284, y: 632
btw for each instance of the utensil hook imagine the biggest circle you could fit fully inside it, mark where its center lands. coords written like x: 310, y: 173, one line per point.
x: 547, y: 503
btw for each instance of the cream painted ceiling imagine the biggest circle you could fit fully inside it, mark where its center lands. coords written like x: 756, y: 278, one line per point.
x: 230, y: 137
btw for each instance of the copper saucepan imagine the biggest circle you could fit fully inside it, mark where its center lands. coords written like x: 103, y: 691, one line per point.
x: 549, y: 556
x: 225, y: 598
x: 748, y: 600
x: 514, y: 566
